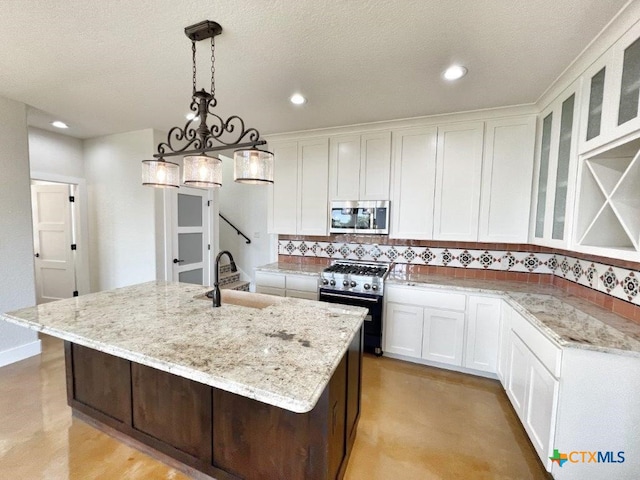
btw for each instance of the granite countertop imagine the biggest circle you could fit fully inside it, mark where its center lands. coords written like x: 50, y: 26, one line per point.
x: 568, y: 320
x: 283, y: 355
x: 295, y: 268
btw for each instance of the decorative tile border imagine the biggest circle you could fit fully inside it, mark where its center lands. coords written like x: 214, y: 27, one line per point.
x: 622, y: 283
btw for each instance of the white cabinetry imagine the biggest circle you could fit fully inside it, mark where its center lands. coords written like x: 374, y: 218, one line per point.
x: 532, y: 383
x: 287, y: 285
x: 507, y: 171
x: 504, y: 342
x: 483, y: 333
x: 443, y: 326
x: 413, y: 184
x: 359, y: 166
x: 458, y: 177
x: 611, y: 93
x: 443, y: 336
x: 404, y: 325
x: 299, y: 192
x: 557, y: 168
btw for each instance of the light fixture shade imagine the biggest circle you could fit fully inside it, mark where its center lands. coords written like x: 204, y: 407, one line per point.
x: 253, y: 166
x: 160, y: 173
x: 202, y: 171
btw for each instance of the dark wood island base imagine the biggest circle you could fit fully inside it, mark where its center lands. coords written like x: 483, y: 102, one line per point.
x: 221, y: 434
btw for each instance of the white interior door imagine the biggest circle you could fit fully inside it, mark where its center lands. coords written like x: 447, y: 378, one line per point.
x: 52, y: 240
x: 191, y: 239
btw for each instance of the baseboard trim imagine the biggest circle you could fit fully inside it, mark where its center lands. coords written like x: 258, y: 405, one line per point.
x: 20, y: 353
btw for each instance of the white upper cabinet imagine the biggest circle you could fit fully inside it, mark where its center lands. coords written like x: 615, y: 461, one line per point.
x: 299, y: 192
x: 344, y: 168
x: 556, y: 170
x: 283, y: 213
x: 359, y: 166
x: 458, y: 177
x: 611, y: 93
x: 413, y: 184
x: 507, y: 173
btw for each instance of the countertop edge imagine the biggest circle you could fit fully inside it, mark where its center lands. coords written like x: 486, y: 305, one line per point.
x: 257, y: 394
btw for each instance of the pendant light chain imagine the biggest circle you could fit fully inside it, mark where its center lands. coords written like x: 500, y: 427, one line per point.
x: 193, y: 59
x: 213, y: 67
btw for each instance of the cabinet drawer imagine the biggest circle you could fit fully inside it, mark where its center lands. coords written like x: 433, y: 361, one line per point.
x: 549, y: 354
x: 302, y: 294
x: 274, y: 280
x: 427, y: 298
x: 304, y: 283
x: 270, y: 290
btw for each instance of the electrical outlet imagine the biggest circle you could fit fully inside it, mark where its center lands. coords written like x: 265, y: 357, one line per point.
x: 256, y: 234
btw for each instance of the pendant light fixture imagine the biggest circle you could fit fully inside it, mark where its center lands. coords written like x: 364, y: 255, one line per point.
x: 253, y: 166
x: 197, y: 137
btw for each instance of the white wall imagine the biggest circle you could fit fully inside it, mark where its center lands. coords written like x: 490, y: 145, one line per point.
x: 17, y: 283
x: 59, y: 158
x: 246, y: 207
x: 55, y: 154
x: 122, y: 219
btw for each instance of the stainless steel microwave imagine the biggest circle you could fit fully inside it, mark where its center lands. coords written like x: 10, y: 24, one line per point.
x: 370, y: 217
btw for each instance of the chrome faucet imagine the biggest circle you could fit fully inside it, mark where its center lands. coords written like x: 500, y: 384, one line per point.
x: 215, y: 293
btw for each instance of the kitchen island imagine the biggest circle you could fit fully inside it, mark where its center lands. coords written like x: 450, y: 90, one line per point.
x: 261, y: 387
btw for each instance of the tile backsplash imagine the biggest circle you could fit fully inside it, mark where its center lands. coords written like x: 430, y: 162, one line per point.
x: 619, y: 282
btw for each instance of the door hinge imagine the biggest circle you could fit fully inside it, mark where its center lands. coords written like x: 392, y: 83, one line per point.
x: 208, y: 247
x: 208, y: 203
x: 74, y: 246
x: 75, y: 293
x: 72, y: 198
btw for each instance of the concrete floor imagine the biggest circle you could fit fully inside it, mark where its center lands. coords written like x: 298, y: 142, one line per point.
x: 417, y: 423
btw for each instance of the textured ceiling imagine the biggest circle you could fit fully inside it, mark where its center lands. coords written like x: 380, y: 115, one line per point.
x: 117, y: 65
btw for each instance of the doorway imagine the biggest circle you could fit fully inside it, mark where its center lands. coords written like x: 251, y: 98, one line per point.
x: 192, y: 236
x: 54, y: 240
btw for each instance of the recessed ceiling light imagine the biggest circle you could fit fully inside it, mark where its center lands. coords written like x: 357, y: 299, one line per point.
x: 455, y: 72
x: 192, y: 116
x: 297, y: 99
x: 59, y: 124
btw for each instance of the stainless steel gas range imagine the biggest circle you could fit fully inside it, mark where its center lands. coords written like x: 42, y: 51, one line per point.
x: 360, y: 284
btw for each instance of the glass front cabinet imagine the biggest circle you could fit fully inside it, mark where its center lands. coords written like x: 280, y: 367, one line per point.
x: 611, y: 93
x: 556, y: 169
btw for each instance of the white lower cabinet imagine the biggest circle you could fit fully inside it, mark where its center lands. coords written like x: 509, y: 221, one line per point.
x: 483, y: 333
x: 443, y: 336
x: 504, y: 343
x: 533, y: 392
x: 287, y: 285
x: 404, y: 325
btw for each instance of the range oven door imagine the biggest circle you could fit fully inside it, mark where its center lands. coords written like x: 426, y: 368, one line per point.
x: 372, y: 322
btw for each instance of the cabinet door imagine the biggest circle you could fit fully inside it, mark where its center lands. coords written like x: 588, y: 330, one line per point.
x: 403, y: 329
x: 375, y: 166
x: 443, y: 336
x: 541, y: 407
x: 313, y: 172
x: 626, y: 82
x: 557, y: 169
x: 507, y: 171
x: 597, y: 111
x: 458, y: 176
x: 413, y: 184
x: 503, y: 343
x: 517, y: 371
x: 483, y: 331
x: 284, y: 200
x: 344, y: 167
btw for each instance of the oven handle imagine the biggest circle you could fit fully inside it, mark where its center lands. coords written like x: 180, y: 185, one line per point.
x: 350, y: 297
